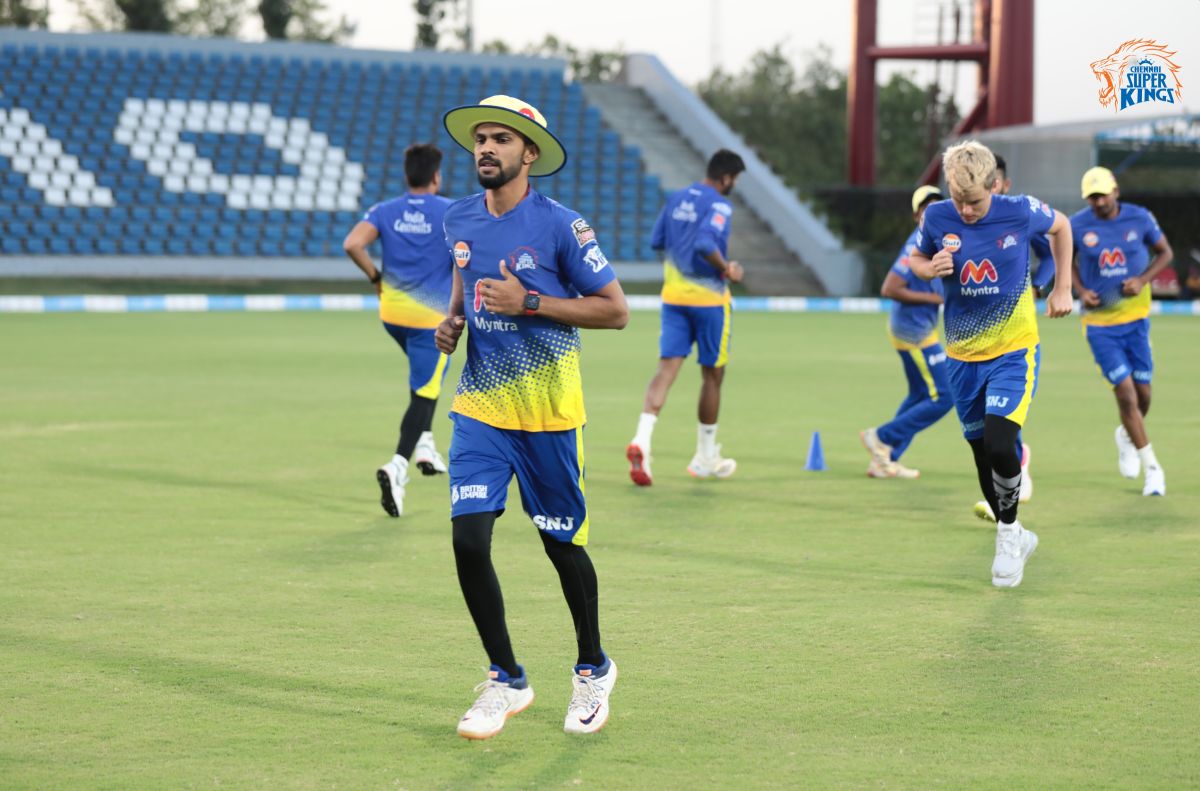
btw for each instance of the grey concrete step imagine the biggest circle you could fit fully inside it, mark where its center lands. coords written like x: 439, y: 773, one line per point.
x: 770, y: 267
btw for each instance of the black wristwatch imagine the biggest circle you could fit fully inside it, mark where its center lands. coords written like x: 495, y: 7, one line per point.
x: 532, y: 302
x: 378, y: 276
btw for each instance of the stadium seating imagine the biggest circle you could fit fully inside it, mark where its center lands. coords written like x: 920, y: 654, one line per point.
x: 220, y: 154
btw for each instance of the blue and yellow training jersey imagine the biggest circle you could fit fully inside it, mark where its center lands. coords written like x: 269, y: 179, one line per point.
x: 417, y: 269
x: 989, y: 303
x: 1111, y: 251
x: 522, y: 372
x: 911, y: 325
x: 695, y: 221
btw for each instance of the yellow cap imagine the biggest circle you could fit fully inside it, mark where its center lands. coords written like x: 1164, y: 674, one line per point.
x: 1098, y: 181
x: 923, y: 194
x: 515, y: 114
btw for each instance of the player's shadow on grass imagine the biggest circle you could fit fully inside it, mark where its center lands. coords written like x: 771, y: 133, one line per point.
x: 233, y: 685
x: 292, y: 494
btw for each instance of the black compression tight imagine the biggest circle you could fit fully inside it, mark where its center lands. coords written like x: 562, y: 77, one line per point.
x: 418, y: 418
x: 481, y: 589
x: 578, y: 578
x: 998, y: 464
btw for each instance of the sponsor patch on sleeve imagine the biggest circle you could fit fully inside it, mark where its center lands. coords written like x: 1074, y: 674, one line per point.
x: 718, y: 221
x: 595, y: 259
x: 583, y: 232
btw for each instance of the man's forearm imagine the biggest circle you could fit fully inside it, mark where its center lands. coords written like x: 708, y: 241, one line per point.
x: 1160, y: 262
x: 595, y: 312
x: 363, y: 261
x: 717, y: 261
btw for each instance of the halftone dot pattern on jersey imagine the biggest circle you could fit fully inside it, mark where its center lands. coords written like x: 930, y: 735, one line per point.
x: 533, y: 386
x: 422, y: 308
x: 680, y: 288
x: 998, y: 328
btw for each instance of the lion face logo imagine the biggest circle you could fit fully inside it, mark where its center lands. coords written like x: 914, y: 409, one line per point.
x: 1113, y: 73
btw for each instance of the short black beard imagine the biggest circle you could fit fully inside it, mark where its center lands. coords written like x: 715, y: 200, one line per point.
x: 500, y: 179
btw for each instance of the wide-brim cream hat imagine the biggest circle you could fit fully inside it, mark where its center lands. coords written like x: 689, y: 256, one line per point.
x: 515, y: 114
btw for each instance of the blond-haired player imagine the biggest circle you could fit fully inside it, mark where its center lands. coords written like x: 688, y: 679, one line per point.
x: 978, y: 243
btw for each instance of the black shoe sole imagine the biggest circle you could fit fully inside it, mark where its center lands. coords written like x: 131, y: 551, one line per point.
x: 427, y: 468
x: 385, y: 494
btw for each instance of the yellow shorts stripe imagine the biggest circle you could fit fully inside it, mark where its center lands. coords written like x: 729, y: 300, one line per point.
x: 1019, y: 414
x: 918, y: 358
x: 433, y: 388
x: 581, y: 536
x: 723, y: 354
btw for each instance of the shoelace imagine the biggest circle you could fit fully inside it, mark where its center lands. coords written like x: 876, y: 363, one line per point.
x: 585, y: 695
x: 492, y: 698
x: 1010, y: 543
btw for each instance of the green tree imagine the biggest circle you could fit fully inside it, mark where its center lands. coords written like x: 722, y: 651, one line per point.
x: 148, y: 15
x: 303, y: 20
x: 222, y: 18
x: 19, y: 13
x: 585, y: 65
x: 432, y: 18
x: 796, y: 121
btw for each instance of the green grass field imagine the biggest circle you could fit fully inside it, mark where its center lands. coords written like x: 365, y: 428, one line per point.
x: 200, y: 590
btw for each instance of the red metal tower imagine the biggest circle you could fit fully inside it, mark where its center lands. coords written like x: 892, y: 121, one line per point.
x: 1002, y: 45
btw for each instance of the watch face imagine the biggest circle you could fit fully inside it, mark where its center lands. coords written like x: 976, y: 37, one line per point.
x: 532, y: 301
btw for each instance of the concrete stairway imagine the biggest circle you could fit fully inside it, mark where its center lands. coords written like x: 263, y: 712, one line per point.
x: 771, y: 269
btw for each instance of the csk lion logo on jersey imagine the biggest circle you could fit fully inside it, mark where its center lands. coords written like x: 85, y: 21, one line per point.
x: 1138, y: 71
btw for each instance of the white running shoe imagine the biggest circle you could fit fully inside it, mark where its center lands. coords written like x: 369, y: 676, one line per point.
x: 639, y: 464
x: 880, y: 451
x: 1156, y: 482
x: 588, y: 710
x: 713, y: 467
x: 392, y: 480
x: 426, y: 457
x: 1128, y: 461
x: 1026, y: 493
x: 1014, y: 545
x: 892, y: 469
x: 500, y: 697
x: 983, y: 510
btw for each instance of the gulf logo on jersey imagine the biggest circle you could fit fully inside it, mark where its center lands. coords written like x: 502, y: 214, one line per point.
x: 1091, y: 239
x: 951, y: 242
x: 1112, y: 257
x: 977, y: 273
x: 462, y: 254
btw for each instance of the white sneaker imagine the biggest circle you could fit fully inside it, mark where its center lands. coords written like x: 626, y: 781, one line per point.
x: 1156, y: 482
x: 1128, y: 461
x: 1014, y: 545
x: 712, y: 467
x: 639, y: 464
x: 892, y: 469
x: 392, y: 480
x: 1026, y: 493
x: 500, y: 697
x: 588, y: 710
x: 983, y: 510
x: 426, y: 457
x: 880, y: 451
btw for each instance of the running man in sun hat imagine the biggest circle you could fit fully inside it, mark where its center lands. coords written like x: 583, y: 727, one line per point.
x: 529, y: 272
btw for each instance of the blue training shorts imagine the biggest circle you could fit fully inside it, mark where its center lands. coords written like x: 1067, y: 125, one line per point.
x: 1122, y: 350
x: 1003, y: 386
x: 707, y: 327
x: 426, y: 365
x: 548, y: 466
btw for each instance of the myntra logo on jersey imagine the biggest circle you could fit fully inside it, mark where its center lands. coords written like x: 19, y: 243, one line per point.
x: 975, y: 273
x: 564, y: 524
x: 1112, y: 262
